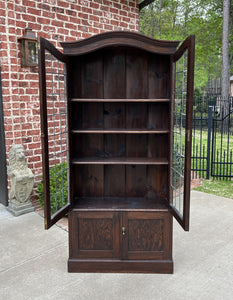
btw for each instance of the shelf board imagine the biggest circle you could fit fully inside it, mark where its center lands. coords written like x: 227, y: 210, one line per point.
x: 120, y: 161
x: 118, y: 100
x: 119, y: 204
x: 119, y: 131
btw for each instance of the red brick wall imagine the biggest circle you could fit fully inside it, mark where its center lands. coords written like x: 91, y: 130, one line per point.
x: 57, y: 21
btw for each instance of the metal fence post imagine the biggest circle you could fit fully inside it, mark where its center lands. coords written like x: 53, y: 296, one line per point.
x: 208, y: 142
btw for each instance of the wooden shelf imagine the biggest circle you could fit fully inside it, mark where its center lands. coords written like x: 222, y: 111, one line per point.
x: 120, y: 131
x: 118, y: 100
x: 120, y: 204
x: 120, y: 161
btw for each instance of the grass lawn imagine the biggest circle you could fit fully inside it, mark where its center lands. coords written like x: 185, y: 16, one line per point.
x: 222, y: 188
x: 222, y: 141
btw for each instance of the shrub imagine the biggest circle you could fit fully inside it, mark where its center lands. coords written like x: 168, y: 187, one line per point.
x: 58, y: 188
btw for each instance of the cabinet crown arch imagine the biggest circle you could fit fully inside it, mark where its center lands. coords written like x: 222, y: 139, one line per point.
x: 117, y: 39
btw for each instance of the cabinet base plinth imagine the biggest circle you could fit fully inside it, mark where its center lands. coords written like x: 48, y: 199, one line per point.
x: 119, y: 266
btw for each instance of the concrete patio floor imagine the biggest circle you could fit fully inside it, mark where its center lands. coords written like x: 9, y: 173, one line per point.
x: 33, y: 262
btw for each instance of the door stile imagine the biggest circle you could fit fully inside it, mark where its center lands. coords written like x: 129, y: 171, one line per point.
x: 188, y: 132
x: 44, y: 132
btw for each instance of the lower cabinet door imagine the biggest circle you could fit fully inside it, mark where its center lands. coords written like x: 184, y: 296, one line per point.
x: 94, y: 235
x: 120, y: 235
x: 146, y: 235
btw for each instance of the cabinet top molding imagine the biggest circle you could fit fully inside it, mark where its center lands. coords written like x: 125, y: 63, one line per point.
x: 119, y: 38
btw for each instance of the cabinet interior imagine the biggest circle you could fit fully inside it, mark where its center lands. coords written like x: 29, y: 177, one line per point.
x: 119, y: 124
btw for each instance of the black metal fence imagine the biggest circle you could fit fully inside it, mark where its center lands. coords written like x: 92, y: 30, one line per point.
x: 212, y: 137
x: 222, y: 144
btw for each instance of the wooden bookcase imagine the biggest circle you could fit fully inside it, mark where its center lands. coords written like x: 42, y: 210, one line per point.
x: 119, y: 99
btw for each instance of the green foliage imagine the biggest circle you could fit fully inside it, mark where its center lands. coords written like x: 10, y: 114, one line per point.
x: 176, y: 19
x: 58, y: 188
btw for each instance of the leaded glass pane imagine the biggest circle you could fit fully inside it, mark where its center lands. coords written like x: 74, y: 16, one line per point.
x: 57, y: 132
x: 178, y: 134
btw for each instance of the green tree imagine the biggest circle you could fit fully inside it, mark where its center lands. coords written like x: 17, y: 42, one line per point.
x: 175, y: 20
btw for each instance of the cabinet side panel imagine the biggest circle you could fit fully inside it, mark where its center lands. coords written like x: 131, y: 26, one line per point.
x: 159, y: 76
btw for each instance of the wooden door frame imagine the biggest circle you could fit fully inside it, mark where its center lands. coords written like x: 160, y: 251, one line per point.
x: 44, y: 45
x: 3, y: 168
x: 189, y: 46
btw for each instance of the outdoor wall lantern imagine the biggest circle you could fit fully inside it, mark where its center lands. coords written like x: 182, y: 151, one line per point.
x: 28, y: 43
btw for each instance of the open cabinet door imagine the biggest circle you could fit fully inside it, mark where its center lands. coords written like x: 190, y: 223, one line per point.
x: 181, y: 130
x: 54, y: 132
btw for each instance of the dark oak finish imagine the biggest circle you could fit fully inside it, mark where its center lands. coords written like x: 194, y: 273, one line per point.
x: 45, y: 45
x: 189, y: 46
x: 118, y: 100
x: 120, y: 161
x: 100, y: 244
x: 119, y: 38
x: 120, y: 266
x: 120, y: 105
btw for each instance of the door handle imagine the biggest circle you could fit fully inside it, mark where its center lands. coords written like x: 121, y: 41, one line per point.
x: 123, y: 231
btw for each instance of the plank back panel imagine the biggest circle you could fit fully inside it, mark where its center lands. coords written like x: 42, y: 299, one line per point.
x: 157, y: 182
x: 114, y: 181
x: 158, y: 145
x: 158, y: 76
x: 136, y: 115
x: 158, y: 115
x: 136, y: 181
x: 92, y: 76
x: 88, y: 181
x: 136, y: 74
x: 114, y: 73
x: 114, y: 115
x: 88, y: 145
x: 87, y: 115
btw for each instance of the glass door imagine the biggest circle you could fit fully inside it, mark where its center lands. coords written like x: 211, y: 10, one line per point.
x: 181, y: 129
x: 54, y: 131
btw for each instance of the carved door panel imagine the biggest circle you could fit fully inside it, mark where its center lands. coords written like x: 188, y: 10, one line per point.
x: 146, y: 235
x: 94, y: 235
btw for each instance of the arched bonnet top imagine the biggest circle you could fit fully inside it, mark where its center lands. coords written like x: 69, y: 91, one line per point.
x: 119, y: 38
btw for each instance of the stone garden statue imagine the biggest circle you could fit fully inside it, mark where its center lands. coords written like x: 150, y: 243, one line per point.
x: 22, y: 181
